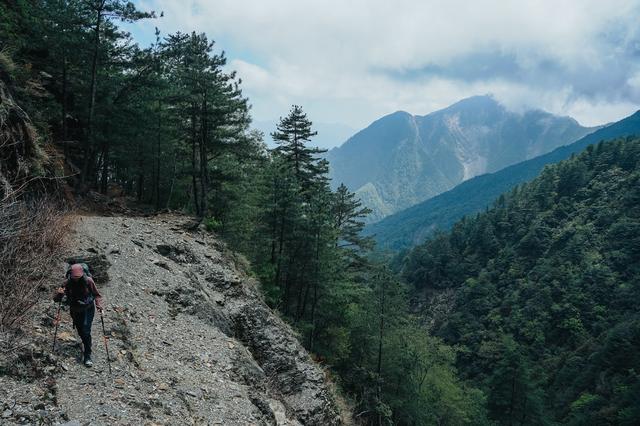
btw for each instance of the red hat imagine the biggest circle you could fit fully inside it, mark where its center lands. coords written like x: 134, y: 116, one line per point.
x: 77, y: 271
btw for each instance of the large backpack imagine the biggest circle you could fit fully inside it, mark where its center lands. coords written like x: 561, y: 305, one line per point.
x: 79, y: 293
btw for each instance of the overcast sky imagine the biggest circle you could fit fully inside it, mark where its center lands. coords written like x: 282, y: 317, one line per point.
x: 352, y: 61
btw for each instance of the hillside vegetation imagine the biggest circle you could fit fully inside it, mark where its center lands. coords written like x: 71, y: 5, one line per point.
x: 541, y: 291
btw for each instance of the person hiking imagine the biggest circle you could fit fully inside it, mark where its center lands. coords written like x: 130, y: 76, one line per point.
x: 83, y: 299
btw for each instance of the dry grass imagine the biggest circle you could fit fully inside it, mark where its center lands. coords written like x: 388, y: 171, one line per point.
x: 32, y: 238
x: 32, y: 227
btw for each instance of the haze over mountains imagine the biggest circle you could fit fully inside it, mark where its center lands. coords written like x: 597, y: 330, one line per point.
x: 401, y: 160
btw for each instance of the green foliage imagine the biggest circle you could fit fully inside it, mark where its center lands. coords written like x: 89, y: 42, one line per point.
x: 544, y: 294
x: 352, y: 313
x: 169, y: 126
x: 211, y: 224
x: 161, y: 123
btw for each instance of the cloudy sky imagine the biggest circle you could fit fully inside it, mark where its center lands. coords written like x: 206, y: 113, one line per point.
x: 349, y: 62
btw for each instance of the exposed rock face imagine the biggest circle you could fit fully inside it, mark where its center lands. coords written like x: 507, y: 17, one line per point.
x: 285, y: 363
x: 401, y: 159
x: 191, y: 340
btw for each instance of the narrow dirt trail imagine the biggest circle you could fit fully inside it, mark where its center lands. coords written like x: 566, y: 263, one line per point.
x: 191, y: 341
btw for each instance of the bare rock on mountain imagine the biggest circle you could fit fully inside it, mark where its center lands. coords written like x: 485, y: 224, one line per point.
x: 286, y: 363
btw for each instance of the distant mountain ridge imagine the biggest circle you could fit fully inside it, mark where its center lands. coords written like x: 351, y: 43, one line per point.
x: 411, y: 226
x: 401, y: 159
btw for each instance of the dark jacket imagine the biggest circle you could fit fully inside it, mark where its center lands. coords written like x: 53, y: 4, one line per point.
x: 91, y: 286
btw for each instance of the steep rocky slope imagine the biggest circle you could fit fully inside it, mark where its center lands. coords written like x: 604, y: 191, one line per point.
x: 401, y: 159
x: 191, y: 340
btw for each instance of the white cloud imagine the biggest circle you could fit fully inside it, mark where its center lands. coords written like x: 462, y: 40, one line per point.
x: 352, y: 61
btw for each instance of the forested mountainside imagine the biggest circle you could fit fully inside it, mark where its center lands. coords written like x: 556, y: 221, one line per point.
x: 413, y: 225
x: 401, y: 159
x: 540, y: 293
x: 132, y: 129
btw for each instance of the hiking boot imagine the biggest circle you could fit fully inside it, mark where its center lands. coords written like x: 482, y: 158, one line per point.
x: 87, y: 361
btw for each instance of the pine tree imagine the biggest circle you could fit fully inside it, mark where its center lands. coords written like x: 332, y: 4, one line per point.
x: 292, y: 134
x: 102, y: 13
x: 349, y: 215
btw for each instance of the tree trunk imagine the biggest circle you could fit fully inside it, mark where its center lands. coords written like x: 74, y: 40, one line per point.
x: 173, y: 179
x: 302, y: 292
x: 280, y: 247
x: 313, y: 316
x: 63, y: 121
x: 380, y: 337
x: 513, y: 396
x: 287, y: 285
x: 203, y: 157
x: 303, y: 303
x: 157, y: 162
x: 194, y: 178
x: 316, y: 267
x: 140, y: 169
x: 105, y: 167
x: 274, y: 228
x: 88, y: 151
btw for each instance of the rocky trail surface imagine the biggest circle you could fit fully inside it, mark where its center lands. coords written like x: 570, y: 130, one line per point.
x: 190, y: 339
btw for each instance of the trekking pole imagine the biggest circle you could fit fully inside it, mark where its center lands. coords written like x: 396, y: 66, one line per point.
x: 56, y: 322
x: 106, y: 341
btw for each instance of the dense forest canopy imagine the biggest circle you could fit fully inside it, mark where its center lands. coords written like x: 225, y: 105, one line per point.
x: 542, y: 291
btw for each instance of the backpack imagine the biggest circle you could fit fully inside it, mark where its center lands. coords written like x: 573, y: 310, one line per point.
x: 79, y: 294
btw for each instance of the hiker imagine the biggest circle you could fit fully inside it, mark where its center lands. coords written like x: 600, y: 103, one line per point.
x: 83, y: 298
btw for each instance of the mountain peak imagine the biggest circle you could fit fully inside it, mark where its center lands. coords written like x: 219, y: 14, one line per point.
x: 476, y: 105
x: 411, y: 158
x: 477, y: 101
x: 395, y: 115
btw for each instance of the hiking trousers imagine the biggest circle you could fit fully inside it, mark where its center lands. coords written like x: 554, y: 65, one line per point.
x: 82, y: 321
